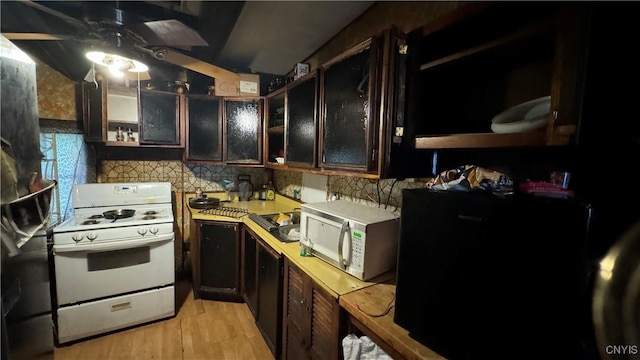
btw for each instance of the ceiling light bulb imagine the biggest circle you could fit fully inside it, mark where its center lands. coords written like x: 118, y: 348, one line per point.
x: 138, y: 66
x: 116, y: 72
x: 95, y: 56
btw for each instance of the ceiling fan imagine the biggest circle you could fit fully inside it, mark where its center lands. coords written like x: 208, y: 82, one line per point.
x: 104, y: 28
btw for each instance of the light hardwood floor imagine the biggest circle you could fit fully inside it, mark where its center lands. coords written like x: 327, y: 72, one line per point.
x: 202, y: 329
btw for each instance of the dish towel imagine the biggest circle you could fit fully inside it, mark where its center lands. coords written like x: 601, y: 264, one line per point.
x: 362, y: 348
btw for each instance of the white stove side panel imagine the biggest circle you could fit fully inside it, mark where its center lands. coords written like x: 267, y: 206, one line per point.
x: 112, y: 194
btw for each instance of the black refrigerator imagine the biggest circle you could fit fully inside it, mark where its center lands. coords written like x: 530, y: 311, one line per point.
x: 485, y: 276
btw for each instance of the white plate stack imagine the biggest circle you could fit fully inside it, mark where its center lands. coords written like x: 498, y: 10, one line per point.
x: 528, y: 116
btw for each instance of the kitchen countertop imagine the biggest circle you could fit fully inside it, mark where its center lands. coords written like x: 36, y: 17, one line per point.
x: 335, y: 281
x: 375, y: 300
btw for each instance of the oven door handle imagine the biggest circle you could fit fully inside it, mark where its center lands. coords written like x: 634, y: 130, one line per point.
x: 112, y: 245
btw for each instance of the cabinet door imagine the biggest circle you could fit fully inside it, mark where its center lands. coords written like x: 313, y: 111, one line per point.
x: 250, y: 288
x: 243, y: 130
x: 269, y: 319
x: 204, y: 134
x: 326, y: 328
x: 219, y: 269
x: 275, y: 110
x: 93, y: 112
x: 159, y: 118
x: 296, y: 313
x: 301, y: 138
x: 347, y: 120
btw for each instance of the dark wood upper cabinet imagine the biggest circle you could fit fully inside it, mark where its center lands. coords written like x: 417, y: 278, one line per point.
x: 292, y: 124
x: 93, y: 113
x: 362, y: 116
x: 348, y: 119
x: 275, y: 116
x: 121, y: 116
x: 159, y: 118
x: 461, y: 75
x: 243, y: 130
x: 302, y: 122
x: 204, y: 128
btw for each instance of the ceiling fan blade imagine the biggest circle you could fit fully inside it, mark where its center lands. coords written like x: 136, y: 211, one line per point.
x: 199, y: 66
x: 67, y: 18
x: 35, y: 36
x: 170, y: 33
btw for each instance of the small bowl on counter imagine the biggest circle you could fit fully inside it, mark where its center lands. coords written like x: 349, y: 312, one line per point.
x: 289, y: 232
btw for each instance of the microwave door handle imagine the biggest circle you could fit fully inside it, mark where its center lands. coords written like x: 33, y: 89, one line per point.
x: 343, y: 230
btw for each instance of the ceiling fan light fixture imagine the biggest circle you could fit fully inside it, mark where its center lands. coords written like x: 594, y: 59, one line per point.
x: 116, y: 62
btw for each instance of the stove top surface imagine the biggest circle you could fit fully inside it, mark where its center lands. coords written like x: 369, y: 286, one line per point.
x: 93, y: 218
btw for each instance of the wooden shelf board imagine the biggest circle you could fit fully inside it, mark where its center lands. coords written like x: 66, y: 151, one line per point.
x: 276, y: 129
x: 482, y: 140
x: 530, y: 31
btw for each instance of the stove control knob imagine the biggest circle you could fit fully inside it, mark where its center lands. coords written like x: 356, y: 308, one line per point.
x: 77, y: 237
x: 142, y: 231
x: 92, y: 236
x: 153, y: 230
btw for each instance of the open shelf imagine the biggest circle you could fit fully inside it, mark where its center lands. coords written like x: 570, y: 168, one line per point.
x: 503, y: 41
x: 481, y: 140
x: 279, y: 130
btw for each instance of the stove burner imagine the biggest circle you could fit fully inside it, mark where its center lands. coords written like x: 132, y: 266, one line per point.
x: 149, y: 217
x: 97, y: 216
x: 90, y: 222
x: 150, y: 212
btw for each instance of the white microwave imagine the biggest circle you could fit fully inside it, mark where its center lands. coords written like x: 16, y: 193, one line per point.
x: 358, y: 239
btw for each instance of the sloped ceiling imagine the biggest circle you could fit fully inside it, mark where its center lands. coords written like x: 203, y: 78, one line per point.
x: 252, y: 36
x: 272, y: 36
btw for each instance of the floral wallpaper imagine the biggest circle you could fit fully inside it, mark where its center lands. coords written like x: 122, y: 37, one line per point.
x: 56, y: 94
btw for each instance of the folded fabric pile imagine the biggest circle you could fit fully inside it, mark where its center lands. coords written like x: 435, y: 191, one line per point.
x: 469, y: 177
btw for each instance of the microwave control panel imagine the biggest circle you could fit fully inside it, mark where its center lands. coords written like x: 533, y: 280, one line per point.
x: 357, y: 248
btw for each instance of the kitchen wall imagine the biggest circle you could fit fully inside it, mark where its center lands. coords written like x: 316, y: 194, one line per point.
x: 56, y: 94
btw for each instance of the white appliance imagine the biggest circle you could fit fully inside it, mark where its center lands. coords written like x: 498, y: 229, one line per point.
x: 114, y: 260
x: 358, y: 239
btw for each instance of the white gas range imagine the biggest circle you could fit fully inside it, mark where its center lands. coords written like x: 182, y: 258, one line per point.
x: 114, y: 260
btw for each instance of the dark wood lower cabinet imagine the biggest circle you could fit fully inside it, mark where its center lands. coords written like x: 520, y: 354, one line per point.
x: 215, y: 251
x: 262, y: 288
x: 313, y: 321
x: 250, y: 272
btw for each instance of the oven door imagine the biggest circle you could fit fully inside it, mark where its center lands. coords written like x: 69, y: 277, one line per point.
x: 87, y: 272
